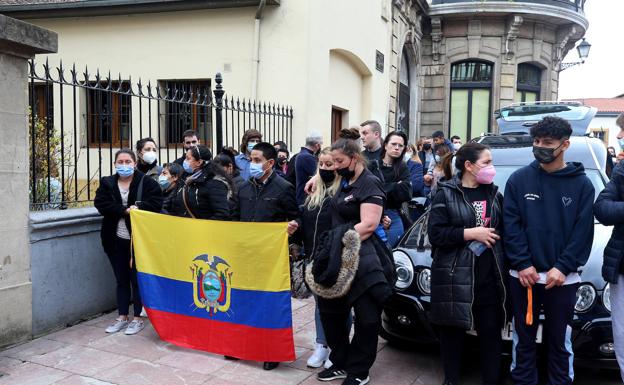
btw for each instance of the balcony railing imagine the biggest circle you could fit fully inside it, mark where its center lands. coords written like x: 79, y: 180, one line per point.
x: 576, y: 5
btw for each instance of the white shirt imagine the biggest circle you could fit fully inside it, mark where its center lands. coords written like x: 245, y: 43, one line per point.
x: 570, y: 278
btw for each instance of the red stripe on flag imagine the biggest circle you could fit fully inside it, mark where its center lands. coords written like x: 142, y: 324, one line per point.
x: 228, y: 339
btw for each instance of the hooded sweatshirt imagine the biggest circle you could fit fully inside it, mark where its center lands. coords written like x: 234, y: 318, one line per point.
x: 548, y: 218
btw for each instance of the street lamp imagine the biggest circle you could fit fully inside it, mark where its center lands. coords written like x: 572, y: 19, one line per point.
x: 583, y: 52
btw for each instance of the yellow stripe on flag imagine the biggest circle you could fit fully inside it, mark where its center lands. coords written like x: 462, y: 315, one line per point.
x: 249, y: 248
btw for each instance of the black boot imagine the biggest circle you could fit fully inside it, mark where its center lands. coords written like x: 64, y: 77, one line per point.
x: 270, y: 365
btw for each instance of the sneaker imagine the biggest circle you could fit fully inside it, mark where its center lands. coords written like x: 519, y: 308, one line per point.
x: 143, y: 313
x: 353, y: 380
x: 328, y: 363
x: 117, y: 326
x: 331, y: 374
x: 134, y: 327
x: 320, y: 355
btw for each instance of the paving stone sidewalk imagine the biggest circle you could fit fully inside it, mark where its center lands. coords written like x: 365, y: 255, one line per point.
x: 85, y: 355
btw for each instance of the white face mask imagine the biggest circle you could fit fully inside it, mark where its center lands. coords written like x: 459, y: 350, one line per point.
x: 457, y: 146
x: 407, y: 156
x: 149, y: 157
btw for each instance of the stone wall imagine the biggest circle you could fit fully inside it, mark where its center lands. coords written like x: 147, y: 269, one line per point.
x: 505, y: 41
x: 19, y: 41
x: 71, y: 276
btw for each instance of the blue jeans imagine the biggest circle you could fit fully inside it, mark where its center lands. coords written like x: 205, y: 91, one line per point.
x: 396, y: 230
x: 320, y: 333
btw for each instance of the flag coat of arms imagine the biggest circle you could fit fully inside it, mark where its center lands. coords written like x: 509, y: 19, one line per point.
x: 221, y: 287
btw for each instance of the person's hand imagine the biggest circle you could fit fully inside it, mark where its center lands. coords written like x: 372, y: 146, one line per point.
x: 310, y: 187
x: 292, y: 227
x: 528, y: 277
x: 554, y: 278
x: 386, y: 221
x: 428, y: 179
x: 133, y: 207
x: 485, y: 235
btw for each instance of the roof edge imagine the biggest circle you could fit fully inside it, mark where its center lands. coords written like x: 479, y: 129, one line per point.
x: 119, y: 7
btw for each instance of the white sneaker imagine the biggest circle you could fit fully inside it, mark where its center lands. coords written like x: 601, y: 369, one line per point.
x: 117, y: 326
x: 319, y: 356
x: 328, y: 363
x: 143, y: 313
x: 134, y: 327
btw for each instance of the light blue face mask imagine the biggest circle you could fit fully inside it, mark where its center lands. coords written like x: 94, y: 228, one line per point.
x: 163, y: 181
x: 621, y: 143
x: 124, y: 171
x: 255, y: 170
x: 187, y: 167
x: 250, y: 146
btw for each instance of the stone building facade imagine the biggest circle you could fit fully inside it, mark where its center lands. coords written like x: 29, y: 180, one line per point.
x: 454, y: 63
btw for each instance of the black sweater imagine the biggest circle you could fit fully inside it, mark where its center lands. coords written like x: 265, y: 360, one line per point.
x: 398, y: 188
x: 108, y: 203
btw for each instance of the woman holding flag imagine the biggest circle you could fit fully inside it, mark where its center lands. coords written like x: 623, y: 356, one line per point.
x: 128, y: 189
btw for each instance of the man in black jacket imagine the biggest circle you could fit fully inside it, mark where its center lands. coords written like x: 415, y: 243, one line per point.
x: 609, y: 210
x: 190, y: 139
x: 266, y: 197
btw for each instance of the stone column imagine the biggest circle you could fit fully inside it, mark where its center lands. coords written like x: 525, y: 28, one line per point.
x: 19, y: 41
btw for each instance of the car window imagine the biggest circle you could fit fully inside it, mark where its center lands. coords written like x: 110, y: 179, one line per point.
x: 537, y: 112
x: 504, y: 172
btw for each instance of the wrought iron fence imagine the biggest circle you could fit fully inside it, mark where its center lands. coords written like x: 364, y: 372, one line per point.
x: 78, y: 120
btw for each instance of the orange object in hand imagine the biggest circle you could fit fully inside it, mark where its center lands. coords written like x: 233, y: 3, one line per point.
x: 529, y: 314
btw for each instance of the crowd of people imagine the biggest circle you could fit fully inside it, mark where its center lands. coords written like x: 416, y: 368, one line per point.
x: 348, y: 204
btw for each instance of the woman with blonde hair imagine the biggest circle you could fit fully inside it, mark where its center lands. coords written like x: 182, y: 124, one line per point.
x: 316, y: 218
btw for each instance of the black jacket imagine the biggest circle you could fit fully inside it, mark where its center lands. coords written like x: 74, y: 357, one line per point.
x: 609, y: 210
x: 312, y: 224
x: 452, y: 268
x: 169, y: 197
x: 207, y: 196
x: 398, y: 188
x: 108, y: 203
x: 272, y: 201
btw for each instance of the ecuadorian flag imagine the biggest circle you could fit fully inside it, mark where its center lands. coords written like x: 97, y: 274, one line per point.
x: 222, y: 287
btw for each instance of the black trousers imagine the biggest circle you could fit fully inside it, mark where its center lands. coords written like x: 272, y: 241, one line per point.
x: 126, y: 277
x: 355, y: 357
x: 488, y: 321
x: 558, y: 303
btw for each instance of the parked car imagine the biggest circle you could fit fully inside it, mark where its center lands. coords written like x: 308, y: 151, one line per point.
x: 406, y: 316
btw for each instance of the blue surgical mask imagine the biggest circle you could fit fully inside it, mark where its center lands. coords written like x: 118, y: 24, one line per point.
x: 124, y: 171
x: 250, y: 146
x: 187, y: 167
x: 256, y: 171
x: 164, y: 182
x: 621, y: 143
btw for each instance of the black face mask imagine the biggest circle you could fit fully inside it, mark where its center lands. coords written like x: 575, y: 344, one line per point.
x: 281, y: 161
x: 427, y: 146
x: 545, y: 155
x: 327, y: 176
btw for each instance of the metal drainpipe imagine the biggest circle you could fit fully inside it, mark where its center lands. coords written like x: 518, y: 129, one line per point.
x: 256, y: 50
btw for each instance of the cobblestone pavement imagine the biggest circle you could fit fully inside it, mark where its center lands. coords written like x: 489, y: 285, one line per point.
x: 85, y: 354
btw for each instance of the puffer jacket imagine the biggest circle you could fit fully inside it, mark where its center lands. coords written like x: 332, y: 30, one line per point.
x: 609, y: 210
x: 207, y: 196
x: 452, y: 269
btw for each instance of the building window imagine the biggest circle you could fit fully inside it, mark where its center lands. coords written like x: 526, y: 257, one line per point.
x: 471, y: 92
x: 41, y: 101
x: 529, y: 83
x: 601, y: 133
x: 108, y: 116
x: 403, y: 117
x: 182, y: 114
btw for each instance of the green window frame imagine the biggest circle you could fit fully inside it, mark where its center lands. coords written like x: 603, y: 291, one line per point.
x: 471, y: 98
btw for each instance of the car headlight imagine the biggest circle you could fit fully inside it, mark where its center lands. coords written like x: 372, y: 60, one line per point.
x: 404, y: 270
x: 424, y: 281
x: 585, y: 298
x: 606, y: 297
